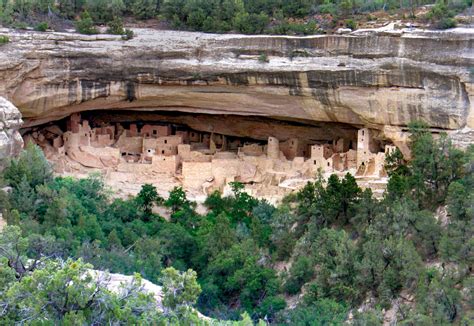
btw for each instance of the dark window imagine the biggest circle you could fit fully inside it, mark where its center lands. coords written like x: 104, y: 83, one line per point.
x: 166, y: 141
x: 314, y: 162
x: 162, y: 152
x: 154, y: 132
x: 329, y: 164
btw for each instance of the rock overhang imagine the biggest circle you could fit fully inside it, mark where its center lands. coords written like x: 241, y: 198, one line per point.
x: 374, y: 79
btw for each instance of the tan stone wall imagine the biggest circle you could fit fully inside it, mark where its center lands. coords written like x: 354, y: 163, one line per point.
x: 130, y: 144
x: 352, y: 159
x: 196, y: 173
x: 194, y: 136
x: 165, y: 164
x: 134, y: 167
x: 251, y: 150
x: 321, y: 151
x: 225, y: 155
x: 184, y: 151
x: 166, y: 150
x: 102, y: 141
x: 293, y: 148
x: 222, y: 169
x: 262, y: 162
x: 58, y: 142
x: 155, y: 131
x: 183, y: 134
x: 170, y: 140
x: 341, y: 145
x: 71, y: 140
x: 133, y: 131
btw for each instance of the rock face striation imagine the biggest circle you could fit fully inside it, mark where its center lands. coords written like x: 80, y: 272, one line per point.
x: 11, y: 141
x: 380, y: 80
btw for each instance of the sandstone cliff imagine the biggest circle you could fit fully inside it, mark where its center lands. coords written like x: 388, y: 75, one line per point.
x: 376, y: 79
x: 11, y: 142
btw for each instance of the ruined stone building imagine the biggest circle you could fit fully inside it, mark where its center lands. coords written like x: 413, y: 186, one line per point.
x: 207, y: 161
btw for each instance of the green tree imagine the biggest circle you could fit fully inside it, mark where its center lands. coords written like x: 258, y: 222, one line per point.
x: 334, y: 258
x: 144, y: 9
x: 177, y: 200
x: 180, y: 293
x: 437, y: 297
x: 104, y: 11
x: 113, y: 240
x: 116, y: 26
x: 67, y: 293
x: 241, y: 205
x: 460, y: 200
x: 31, y: 166
x: 322, y: 312
x: 250, y: 23
x: 435, y: 164
x: 23, y: 197
x: 301, y: 271
x: 22, y: 254
x: 365, y: 211
x: 85, y: 25
x: 147, y: 197
x: 387, y: 266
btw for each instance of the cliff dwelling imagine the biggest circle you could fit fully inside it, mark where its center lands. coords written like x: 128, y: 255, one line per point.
x: 203, y: 153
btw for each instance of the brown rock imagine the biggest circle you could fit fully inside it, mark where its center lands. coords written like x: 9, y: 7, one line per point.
x: 11, y: 142
x: 386, y: 80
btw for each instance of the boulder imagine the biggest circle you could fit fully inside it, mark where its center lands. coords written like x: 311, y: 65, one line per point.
x: 11, y: 142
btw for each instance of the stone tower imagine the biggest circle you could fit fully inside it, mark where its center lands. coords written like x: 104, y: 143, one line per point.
x: 273, y: 148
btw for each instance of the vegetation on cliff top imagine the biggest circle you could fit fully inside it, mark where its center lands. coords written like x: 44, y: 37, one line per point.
x: 244, y: 16
x: 338, y: 243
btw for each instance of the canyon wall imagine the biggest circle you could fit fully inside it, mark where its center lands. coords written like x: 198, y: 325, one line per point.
x: 379, y: 80
x: 11, y: 142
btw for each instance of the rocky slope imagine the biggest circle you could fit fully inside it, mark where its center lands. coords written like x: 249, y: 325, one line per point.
x: 11, y: 142
x: 379, y: 79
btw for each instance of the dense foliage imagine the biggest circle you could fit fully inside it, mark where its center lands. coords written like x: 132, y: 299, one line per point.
x: 244, y: 16
x: 332, y: 239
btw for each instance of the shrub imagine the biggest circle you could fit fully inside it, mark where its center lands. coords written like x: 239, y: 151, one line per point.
x: 42, y: 27
x: 144, y: 9
x: 286, y: 28
x: 128, y: 35
x: 441, y: 17
x: 104, y: 11
x: 301, y: 272
x: 351, y: 24
x: 85, y: 25
x: 250, y: 23
x: 20, y: 25
x: 446, y: 23
x: 263, y: 58
x: 116, y: 26
x: 4, y: 39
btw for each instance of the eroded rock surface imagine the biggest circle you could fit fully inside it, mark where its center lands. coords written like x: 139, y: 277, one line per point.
x: 11, y: 141
x: 372, y: 79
